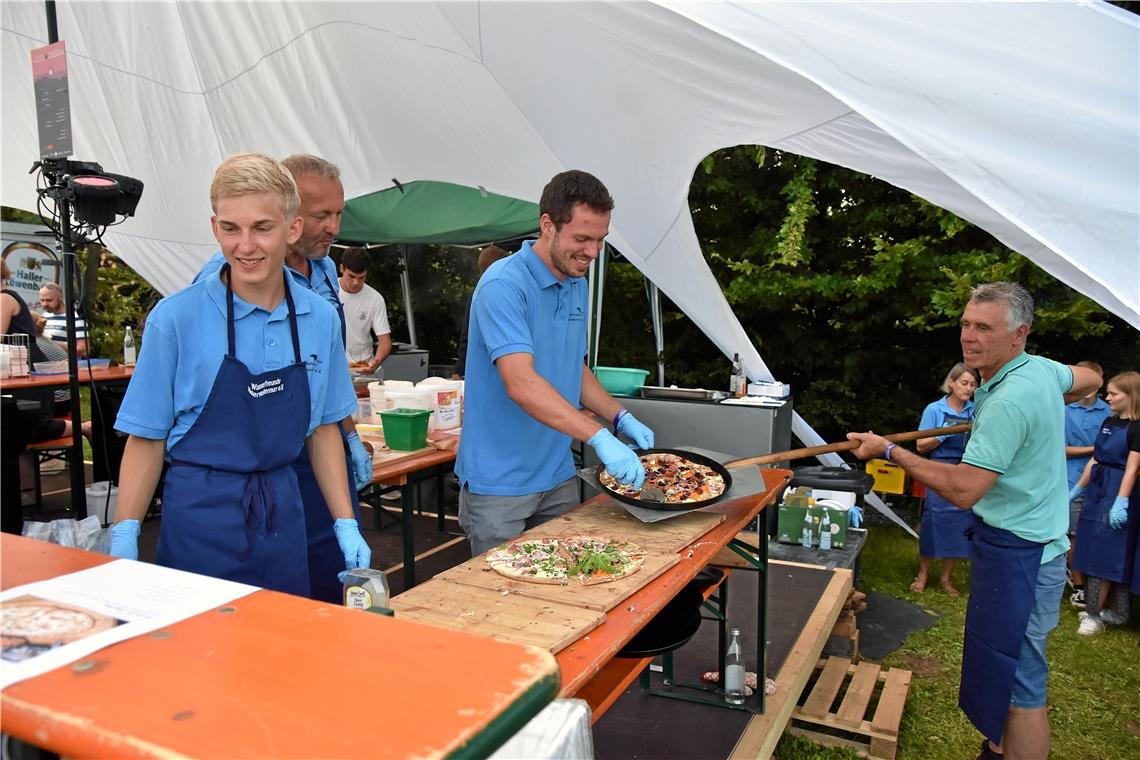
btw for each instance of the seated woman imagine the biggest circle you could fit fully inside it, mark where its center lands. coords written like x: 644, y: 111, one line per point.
x: 942, y: 534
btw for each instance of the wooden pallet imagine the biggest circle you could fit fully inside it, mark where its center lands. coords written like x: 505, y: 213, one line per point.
x: 871, y: 731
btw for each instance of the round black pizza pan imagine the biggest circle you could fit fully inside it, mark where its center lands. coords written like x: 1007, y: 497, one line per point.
x: 719, y: 468
x: 670, y: 629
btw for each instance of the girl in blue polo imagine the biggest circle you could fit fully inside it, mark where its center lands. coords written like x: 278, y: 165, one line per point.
x: 942, y: 534
x: 1110, y: 518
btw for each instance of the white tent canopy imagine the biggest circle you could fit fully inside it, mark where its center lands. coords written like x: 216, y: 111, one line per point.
x: 1022, y: 118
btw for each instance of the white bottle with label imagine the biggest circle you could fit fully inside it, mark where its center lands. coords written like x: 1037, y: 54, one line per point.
x: 734, y: 671
x: 129, y: 354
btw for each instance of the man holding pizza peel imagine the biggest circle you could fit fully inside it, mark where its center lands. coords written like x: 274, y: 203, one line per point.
x: 526, y: 376
x: 1013, y: 475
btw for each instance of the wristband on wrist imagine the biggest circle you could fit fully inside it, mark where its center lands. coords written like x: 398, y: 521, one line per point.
x: 887, y: 452
x: 617, y: 417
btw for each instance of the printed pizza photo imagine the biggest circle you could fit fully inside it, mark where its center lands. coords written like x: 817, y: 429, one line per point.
x: 31, y: 626
x: 585, y: 559
x: 680, y: 480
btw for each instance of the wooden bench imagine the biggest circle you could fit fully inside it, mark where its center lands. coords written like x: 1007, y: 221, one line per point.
x: 871, y: 702
x: 54, y: 449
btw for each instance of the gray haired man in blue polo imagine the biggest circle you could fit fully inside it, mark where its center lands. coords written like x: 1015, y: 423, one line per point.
x: 526, y: 376
x: 1013, y: 476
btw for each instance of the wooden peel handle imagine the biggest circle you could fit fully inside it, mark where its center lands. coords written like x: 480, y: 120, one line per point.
x: 829, y: 448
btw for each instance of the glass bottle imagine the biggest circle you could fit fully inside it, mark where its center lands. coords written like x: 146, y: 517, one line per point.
x: 806, y: 538
x: 825, y: 532
x: 737, y: 374
x: 129, y: 354
x: 734, y: 671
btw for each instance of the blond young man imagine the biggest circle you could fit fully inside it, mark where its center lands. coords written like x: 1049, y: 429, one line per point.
x: 226, y: 371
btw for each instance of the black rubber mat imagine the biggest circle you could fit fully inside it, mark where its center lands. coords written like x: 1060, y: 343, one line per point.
x: 884, y: 626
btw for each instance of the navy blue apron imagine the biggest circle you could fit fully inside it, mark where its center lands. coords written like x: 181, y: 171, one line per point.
x: 1003, y: 590
x: 944, y: 526
x: 1102, y: 551
x: 231, y: 508
x: 326, y: 559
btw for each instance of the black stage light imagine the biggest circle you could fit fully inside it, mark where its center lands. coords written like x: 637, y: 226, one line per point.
x: 130, y: 192
x: 95, y: 199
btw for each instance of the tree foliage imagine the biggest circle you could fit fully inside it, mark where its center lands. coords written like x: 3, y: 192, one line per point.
x: 851, y: 288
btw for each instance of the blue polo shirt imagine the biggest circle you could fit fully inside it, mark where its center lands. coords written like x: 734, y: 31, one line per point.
x: 322, y: 277
x: 1019, y: 433
x: 519, y: 306
x: 940, y: 414
x: 185, y: 341
x: 1082, y: 424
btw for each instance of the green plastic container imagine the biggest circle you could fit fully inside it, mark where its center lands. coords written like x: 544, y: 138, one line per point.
x: 405, y: 429
x: 623, y: 381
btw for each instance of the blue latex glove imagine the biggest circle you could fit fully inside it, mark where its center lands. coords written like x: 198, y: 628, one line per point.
x: 352, y: 545
x: 619, y: 459
x: 1075, y: 492
x: 125, y: 539
x: 1118, y: 514
x: 361, y: 461
x: 631, y: 428
x: 854, y: 517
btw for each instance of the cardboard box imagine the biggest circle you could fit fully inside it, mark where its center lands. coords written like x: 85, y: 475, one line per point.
x: 790, y: 525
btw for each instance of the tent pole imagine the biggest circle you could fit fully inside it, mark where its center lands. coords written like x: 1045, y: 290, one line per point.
x: 597, y: 283
x: 406, y: 287
x: 658, y: 329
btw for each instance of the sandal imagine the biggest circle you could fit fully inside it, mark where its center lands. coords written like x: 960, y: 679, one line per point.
x: 948, y: 587
x: 987, y: 753
x: 918, y: 585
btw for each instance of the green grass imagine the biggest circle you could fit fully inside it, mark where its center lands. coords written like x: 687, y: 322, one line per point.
x: 1094, y: 683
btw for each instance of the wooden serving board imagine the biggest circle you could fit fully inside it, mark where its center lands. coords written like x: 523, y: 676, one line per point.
x: 599, y: 596
x: 606, y: 519
x: 387, y: 456
x: 484, y: 612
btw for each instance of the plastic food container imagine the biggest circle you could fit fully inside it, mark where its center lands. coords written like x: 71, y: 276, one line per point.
x: 378, y: 396
x: 446, y: 401
x: 408, y: 398
x: 405, y: 429
x: 623, y: 381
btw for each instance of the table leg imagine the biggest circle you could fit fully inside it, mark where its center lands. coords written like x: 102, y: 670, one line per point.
x: 439, y: 482
x: 406, y: 507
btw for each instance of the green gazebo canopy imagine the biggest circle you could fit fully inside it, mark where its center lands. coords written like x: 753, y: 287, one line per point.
x: 436, y: 212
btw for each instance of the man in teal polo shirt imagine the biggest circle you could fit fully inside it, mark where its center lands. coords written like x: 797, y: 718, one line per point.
x: 527, y: 377
x: 1013, y: 476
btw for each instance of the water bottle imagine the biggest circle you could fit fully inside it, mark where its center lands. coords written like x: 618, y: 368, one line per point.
x: 806, y: 539
x: 734, y: 671
x: 825, y: 532
x: 129, y: 354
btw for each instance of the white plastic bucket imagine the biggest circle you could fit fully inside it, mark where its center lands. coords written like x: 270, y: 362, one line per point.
x: 410, y: 398
x: 379, y: 398
x: 447, y: 401
x: 99, y: 505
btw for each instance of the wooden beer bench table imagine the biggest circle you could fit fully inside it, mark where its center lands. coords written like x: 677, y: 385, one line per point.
x: 274, y: 676
x: 588, y: 661
x: 405, y: 473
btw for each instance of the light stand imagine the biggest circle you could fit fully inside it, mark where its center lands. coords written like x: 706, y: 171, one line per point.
x: 59, y: 191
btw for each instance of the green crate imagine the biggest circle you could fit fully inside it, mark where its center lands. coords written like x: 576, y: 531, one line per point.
x: 405, y: 429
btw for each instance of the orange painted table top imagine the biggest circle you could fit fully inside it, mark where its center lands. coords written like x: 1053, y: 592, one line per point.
x: 583, y: 659
x: 278, y: 676
x: 86, y: 377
